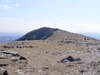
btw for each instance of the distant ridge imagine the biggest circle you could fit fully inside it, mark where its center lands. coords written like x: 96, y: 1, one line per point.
x: 46, y: 33
x: 9, y: 37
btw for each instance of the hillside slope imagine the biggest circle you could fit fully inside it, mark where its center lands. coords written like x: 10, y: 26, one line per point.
x: 51, y: 52
x: 51, y: 34
x: 46, y: 57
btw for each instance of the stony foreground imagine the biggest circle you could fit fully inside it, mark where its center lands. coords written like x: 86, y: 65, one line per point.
x: 68, y: 57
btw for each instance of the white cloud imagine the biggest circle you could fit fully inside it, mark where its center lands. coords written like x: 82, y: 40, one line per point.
x: 8, y: 4
x: 5, y: 6
x: 8, y: 24
x: 16, y: 5
x: 8, y: 1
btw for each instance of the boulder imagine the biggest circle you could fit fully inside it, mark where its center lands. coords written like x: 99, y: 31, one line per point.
x: 69, y: 59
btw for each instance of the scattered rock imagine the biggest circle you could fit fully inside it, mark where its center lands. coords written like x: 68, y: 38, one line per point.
x: 8, y: 46
x: 22, y: 58
x: 14, y: 59
x: 94, y: 64
x: 70, y: 59
x: 45, y: 68
x: 20, y: 72
x: 4, y: 62
x: 3, y: 72
x: 82, y: 71
x: 10, y: 52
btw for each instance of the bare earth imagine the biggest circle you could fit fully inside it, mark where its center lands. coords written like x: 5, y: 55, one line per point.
x: 44, y: 56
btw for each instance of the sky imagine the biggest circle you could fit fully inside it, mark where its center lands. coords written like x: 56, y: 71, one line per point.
x: 71, y: 15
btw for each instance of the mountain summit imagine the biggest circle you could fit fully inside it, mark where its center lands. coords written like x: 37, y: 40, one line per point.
x: 46, y: 33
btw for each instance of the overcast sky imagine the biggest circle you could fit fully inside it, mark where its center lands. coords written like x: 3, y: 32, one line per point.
x: 70, y: 15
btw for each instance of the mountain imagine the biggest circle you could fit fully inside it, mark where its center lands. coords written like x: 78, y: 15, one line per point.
x: 39, y: 34
x: 94, y: 35
x: 44, y: 54
x: 46, y: 33
x: 8, y: 37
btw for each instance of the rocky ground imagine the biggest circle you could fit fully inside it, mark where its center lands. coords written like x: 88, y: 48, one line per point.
x: 45, y: 57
